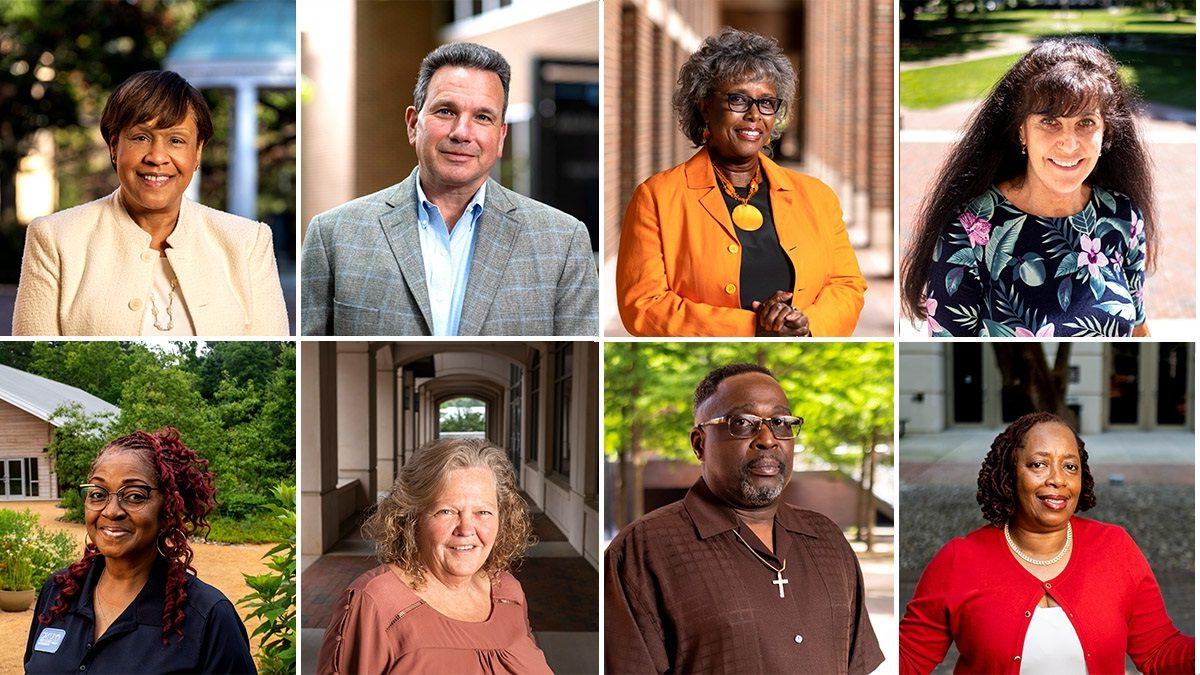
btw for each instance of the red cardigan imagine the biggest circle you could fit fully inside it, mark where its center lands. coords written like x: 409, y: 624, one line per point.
x: 975, y: 593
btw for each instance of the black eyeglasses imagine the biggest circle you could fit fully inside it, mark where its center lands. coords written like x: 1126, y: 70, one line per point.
x: 740, y: 103
x: 783, y: 427
x: 130, y: 497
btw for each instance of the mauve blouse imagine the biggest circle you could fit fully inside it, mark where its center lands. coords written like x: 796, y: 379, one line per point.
x: 382, y: 626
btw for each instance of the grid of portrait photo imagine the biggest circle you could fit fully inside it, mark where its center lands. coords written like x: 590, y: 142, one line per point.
x: 621, y: 337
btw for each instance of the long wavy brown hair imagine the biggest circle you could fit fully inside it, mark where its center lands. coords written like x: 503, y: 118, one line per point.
x: 1060, y: 77
x: 188, y: 491
x: 392, y: 525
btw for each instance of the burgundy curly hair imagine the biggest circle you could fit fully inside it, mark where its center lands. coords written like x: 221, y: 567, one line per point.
x: 997, y: 494
x: 188, y: 497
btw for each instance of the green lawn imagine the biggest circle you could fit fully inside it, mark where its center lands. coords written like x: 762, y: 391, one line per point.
x: 931, y: 37
x: 1161, y: 77
x: 263, y: 529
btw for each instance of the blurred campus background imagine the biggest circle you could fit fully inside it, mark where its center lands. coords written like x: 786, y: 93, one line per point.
x: 841, y: 129
x: 369, y: 406
x: 61, y: 60
x: 951, y: 54
x: 843, y: 465
x: 1133, y: 404
x: 360, y: 60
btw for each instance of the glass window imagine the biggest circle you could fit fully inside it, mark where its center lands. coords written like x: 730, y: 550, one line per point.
x: 535, y: 407
x: 560, y: 456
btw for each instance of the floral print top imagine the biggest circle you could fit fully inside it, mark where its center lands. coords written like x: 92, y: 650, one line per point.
x: 1000, y: 272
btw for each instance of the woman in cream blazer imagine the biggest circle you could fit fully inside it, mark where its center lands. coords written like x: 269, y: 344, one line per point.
x: 86, y: 271
x: 145, y: 260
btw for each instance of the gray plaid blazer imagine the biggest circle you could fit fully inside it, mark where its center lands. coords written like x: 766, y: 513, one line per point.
x: 532, y: 272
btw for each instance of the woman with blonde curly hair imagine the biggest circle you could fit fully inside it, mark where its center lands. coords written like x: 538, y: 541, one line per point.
x: 442, y: 599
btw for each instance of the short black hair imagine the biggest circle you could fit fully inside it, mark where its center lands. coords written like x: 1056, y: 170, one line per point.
x: 708, y: 386
x: 462, y: 55
x: 159, y: 95
x: 997, y: 495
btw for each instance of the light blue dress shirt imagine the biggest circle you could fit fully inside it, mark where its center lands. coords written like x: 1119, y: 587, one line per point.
x: 447, y: 256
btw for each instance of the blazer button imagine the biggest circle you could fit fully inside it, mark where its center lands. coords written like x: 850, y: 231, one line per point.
x: 730, y: 288
x: 733, y: 248
x: 147, y: 256
x: 135, y: 304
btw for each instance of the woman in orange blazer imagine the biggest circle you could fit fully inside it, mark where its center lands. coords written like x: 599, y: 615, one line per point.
x: 730, y: 243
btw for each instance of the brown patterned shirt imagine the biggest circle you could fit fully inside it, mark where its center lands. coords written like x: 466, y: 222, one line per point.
x: 683, y: 595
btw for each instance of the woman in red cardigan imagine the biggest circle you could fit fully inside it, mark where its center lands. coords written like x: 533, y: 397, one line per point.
x: 1040, y: 590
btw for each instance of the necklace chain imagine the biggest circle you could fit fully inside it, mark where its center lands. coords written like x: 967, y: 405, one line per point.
x: 170, y: 303
x: 727, y: 185
x: 777, y: 570
x: 1012, y: 545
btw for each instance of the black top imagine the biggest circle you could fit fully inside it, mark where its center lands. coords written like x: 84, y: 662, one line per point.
x: 214, y: 639
x: 765, y: 267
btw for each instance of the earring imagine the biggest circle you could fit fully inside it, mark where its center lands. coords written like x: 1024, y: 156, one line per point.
x: 158, y: 546
x: 706, y: 134
x: 1022, y: 148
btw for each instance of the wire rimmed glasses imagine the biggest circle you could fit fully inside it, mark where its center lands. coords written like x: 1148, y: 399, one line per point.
x: 130, y: 497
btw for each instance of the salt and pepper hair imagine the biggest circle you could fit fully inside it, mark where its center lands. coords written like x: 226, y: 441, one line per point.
x: 731, y: 56
x: 393, y: 523
x: 461, y: 55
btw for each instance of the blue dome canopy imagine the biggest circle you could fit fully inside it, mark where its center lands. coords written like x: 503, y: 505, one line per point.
x: 248, y: 30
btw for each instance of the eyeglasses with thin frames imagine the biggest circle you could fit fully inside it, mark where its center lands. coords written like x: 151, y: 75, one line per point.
x: 740, y: 103
x: 782, y: 427
x: 130, y: 497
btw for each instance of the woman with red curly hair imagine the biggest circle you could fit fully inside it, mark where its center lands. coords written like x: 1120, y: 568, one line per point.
x: 443, y: 600
x: 133, y: 602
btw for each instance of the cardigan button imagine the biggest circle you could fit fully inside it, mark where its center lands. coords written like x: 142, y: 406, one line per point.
x: 733, y: 248
x: 1028, y: 614
x: 1047, y: 584
x: 730, y: 288
x: 135, y: 304
x: 147, y: 256
x: 1016, y: 658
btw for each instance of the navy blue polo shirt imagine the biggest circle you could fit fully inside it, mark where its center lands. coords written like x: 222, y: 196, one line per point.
x: 213, y: 641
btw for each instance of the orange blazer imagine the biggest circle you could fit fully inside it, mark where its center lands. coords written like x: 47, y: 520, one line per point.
x: 679, y: 265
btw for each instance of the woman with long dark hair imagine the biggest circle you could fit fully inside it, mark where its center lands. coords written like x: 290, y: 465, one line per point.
x: 1041, y: 220
x: 133, y: 603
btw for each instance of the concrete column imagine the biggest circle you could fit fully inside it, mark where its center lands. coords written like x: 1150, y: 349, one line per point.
x: 243, y: 165
x: 356, y: 417
x: 385, y: 428
x: 318, y: 446
x: 408, y: 419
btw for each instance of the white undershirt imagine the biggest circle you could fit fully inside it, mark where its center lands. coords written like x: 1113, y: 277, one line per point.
x: 160, y: 298
x: 1051, y: 645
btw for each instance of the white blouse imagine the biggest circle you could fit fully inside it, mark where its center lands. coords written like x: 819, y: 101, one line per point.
x: 1051, y: 645
x: 165, y: 298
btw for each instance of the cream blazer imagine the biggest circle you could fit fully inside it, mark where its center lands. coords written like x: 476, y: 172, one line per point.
x: 87, y: 271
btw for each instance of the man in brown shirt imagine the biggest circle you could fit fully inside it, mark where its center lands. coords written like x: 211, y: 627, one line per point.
x: 730, y: 579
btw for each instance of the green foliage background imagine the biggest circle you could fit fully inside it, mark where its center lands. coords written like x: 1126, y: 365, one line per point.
x: 843, y: 390
x: 233, y: 402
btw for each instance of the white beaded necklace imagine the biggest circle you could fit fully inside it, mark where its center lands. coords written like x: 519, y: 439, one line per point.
x: 1034, y: 561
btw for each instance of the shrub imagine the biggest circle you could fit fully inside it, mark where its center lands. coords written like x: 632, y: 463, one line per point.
x: 28, y: 553
x: 274, y: 593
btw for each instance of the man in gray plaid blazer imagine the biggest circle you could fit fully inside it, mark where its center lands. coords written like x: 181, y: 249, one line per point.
x: 449, y: 251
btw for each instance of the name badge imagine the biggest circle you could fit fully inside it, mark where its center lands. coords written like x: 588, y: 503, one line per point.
x: 49, y: 640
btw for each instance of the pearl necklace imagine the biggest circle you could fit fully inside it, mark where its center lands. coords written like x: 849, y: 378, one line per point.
x: 1012, y: 545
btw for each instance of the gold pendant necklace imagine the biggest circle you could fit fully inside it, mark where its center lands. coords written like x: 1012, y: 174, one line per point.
x: 745, y: 216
